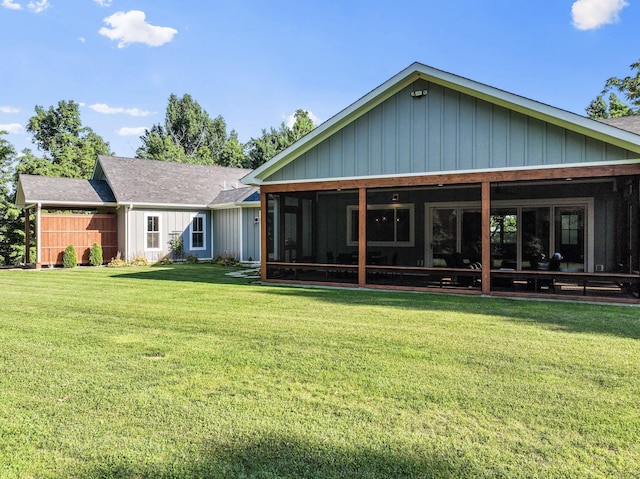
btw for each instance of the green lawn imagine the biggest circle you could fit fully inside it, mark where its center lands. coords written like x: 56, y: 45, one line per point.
x: 181, y: 371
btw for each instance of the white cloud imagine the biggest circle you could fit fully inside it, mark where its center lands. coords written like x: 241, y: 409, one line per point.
x: 9, y: 109
x: 132, y: 131
x: 11, y: 5
x: 103, y: 3
x: 111, y: 110
x: 291, y: 119
x: 592, y: 14
x: 12, y: 128
x: 130, y: 27
x: 39, y: 7
x: 82, y: 39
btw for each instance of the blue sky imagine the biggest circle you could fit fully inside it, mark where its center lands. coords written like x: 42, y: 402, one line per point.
x: 256, y: 61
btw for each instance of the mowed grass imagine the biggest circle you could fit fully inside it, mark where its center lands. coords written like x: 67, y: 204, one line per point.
x: 181, y: 371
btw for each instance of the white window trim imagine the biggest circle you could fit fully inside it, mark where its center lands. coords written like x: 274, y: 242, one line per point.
x: 146, y: 222
x: 204, y: 232
x: 519, y: 205
x: 394, y: 206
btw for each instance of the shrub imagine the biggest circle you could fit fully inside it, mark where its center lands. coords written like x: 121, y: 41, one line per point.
x: 192, y: 259
x: 176, y: 246
x: 95, y: 255
x: 228, y: 261
x: 117, y: 262
x: 69, y: 258
x: 140, y: 261
x: 164, y: 260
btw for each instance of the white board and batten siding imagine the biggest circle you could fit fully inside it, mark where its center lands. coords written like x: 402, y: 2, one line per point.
x: 172, y: 223
x: 237, y: 234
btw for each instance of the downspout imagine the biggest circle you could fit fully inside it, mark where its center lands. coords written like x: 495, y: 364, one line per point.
x: 241, y: 224
x: 127, y: 209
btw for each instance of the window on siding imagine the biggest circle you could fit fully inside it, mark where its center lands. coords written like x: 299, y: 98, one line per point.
x: 153, y: 232
x: 197, y: 232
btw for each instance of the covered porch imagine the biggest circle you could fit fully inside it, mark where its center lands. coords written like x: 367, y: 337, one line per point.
x: 563, y: 232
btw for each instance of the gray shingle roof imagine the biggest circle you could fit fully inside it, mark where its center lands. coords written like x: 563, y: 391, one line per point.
x: 151, y: 182
x: 628, y: 123
x: 236, y: 195
x: 62, y: 191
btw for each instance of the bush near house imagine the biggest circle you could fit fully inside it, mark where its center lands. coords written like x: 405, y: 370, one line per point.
x: 95, y: 255
x: 69, y: 258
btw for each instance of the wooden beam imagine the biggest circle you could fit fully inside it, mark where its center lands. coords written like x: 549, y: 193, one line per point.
x: 486, y: 237
x: 38, y: 232
x: 264, y: 209
x: 27, y: 237
x: 362, y: 236
x: 574, y: 172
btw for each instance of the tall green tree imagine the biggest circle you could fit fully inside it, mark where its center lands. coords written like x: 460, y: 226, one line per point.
x: 69, y: 149
x: 188, y: 135
x: 11, y: 225
x: 629, y: 86
x: 233, y: 153
x: 273, y: 141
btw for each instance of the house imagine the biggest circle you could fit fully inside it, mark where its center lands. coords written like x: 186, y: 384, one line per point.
x: 436, y: 182
x: 144, y: 208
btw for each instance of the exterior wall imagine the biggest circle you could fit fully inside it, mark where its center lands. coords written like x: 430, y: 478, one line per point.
x: 250, y: 234
x: 443, y: 131
x: 81, y: 230
x: 173, y: 223
x: 122, y: 231
x: 227, y: 233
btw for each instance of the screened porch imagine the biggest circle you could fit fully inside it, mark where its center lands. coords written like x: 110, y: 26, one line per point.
x: 561, y: 237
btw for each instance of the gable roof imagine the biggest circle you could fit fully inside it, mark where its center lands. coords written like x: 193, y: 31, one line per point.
x: 628, y: 123
x: 151, y: 182
x: 417, y: 73
x: 53, y: 191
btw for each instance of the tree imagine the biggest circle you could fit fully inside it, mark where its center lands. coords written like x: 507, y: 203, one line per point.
x: 233, y: 153
x: 70, y: 149
x: 273, y: 141
x: 11, y: 226
x: 188, y: 135
x: 629, y: 86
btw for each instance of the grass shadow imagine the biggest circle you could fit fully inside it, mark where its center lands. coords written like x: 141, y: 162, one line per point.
x: 273, y: 456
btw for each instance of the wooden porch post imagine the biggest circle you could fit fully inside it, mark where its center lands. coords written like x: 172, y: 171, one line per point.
x: 486, y: 237
x: 264, y: 208
x: 362, y: 237
x: 27, y: 237
x: 37, y: 234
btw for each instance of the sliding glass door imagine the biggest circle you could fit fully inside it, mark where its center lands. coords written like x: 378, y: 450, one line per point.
x: 522, y: 236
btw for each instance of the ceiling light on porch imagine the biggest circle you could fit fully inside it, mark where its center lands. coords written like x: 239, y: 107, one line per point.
x: 395, y: 197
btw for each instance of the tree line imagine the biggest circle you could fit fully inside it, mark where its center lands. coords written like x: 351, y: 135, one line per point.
x: 188, y: 135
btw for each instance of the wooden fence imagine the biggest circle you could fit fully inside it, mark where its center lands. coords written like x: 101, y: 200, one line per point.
x: 81, y: 230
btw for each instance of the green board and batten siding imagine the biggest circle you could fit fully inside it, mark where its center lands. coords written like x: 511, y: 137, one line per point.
x: 444, y: 131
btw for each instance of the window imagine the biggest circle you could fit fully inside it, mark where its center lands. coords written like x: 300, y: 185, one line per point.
x: 197, y: 232
x: 153, y: 232
x: 387, y: 225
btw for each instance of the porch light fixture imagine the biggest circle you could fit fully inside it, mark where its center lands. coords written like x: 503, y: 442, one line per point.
x: 395, y: 197
x: 419, y: 93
